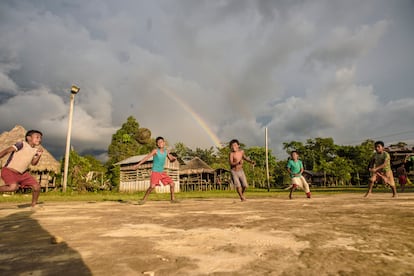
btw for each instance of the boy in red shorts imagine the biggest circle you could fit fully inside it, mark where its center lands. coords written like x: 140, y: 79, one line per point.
x: 15, y: 172
x: 402, y: 176
x: 158, y: 174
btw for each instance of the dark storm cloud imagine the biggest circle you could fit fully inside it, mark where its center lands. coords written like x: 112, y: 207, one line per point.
x: 302, y: 69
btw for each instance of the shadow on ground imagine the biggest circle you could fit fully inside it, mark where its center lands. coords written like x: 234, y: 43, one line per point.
x: 26, y: 249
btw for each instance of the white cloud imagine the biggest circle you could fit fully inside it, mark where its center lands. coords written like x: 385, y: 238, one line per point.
x: 302, y: 69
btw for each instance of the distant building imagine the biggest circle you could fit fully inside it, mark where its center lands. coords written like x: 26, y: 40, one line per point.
x: 139, y: 179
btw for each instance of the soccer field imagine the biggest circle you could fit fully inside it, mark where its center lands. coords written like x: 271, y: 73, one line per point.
x: 336, y: 234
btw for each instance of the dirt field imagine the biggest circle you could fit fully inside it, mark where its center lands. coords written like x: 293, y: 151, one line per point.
x: 326, y: 235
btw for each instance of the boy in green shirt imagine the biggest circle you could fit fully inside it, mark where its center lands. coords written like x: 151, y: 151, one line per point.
x: 295, y: 168
x: 381, y: 169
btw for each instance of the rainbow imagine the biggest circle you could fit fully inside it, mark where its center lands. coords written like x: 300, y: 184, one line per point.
x: 196, y: 117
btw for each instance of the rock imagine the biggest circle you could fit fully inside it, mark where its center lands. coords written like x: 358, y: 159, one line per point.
x: 56, y: 239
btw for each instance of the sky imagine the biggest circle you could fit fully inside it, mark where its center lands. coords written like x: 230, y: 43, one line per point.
x: 205, y: 72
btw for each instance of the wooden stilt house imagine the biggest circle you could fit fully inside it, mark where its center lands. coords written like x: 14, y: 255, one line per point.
x: 139, y: 180
x: 196, y: 175
x: 223, y: 179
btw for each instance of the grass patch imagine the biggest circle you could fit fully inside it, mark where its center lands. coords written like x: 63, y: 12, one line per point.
x: 55, y: 196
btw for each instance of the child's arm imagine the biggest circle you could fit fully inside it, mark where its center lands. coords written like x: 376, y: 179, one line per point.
x: 7, y: 151
x: 36, y: 157
x: 248, y: 159
x: 152, y: 153
x: 171, y: 157
x: 380, y: 167
x: 371, y: 164
x: 231, y: 160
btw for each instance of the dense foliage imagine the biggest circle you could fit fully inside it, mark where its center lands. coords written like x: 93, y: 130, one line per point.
x: 344, y: 165
x: 129, y: 140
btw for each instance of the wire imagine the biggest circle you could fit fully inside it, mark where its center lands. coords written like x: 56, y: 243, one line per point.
x: 383, y: 136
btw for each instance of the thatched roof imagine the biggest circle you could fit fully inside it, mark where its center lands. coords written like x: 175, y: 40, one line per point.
x: 47, y: 161
x: 195, y: 166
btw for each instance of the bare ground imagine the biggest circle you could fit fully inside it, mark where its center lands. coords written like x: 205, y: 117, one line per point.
x: 340, y: 234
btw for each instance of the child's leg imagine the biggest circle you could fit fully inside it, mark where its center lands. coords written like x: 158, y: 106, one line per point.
x: 244, y: 190
x: 370, y: 185
x: 149, y: 190
x: 238, y: 184
x: 9, y: 188
x: 29, y: 181
x: 240, y: 192
x: 390, y: 181
x: 243, y: 183
x: 305, y: 186
x: 394, y: 190
x: 35, y: 194
x: 291, y: 190
x: 172, y: 187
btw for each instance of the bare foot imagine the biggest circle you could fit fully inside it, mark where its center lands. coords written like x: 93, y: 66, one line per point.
x: 35, y: 208
x: 367, y: 195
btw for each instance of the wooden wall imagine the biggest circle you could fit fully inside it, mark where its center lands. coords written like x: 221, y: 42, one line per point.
x: 139, y: 180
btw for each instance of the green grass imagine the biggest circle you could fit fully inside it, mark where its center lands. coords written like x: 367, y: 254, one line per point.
x: 54, y: 196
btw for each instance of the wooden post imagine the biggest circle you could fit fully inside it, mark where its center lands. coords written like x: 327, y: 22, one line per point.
x: 267, y: 162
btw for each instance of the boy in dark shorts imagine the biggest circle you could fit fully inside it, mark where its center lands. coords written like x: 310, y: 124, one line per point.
x: 15, y: 172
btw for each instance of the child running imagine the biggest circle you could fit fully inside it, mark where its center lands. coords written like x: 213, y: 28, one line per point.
x: 159, y: 155
x: 402, y: 176
x: 381, y: 170
x: 15, y: 172
x: 236, y: 158
x: 295, y: 168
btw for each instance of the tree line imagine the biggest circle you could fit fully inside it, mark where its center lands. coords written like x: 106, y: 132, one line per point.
x: 345, y: 165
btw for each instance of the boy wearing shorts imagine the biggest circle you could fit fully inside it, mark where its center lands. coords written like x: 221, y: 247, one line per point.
x: 381, y: 170
x: 236, y: 158
x: 295, y: 168
x: 158, y: 175
x: 15, y: 172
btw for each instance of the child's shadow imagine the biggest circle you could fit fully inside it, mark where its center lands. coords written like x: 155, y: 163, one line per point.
x: 26, y: 247
x: 28, y: 205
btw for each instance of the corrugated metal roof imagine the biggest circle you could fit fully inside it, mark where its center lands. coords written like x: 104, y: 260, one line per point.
x: 133, y: 159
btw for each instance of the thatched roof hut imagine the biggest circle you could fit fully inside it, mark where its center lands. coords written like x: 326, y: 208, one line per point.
x: 398, y: 153
x: 47, y: 161
x: 195, y: 166
x: 196, y: 175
